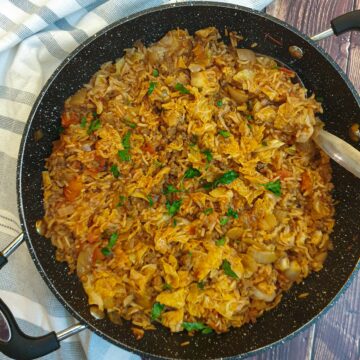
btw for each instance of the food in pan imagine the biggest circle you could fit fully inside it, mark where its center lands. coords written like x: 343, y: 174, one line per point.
x: 185, y: 188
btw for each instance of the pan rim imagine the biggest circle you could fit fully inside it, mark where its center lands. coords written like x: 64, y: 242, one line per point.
x: 33, y: 112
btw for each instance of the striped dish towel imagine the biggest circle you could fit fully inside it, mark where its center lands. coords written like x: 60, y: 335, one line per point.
x: 35, y: 36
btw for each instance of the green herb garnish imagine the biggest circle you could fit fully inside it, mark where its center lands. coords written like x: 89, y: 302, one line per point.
x: 155, y: 72
x: 219, y: 103
x: 170, y: 189
x: 208, y: 211
x: 223, y: 221
x: 181, y: 88
x: 124, y: 154
x: 152, y: 86
x: 174, y: 222
x: 83, y: 122
x: 94, y: 125
x: 173, y: 207
x: 220, y: 242
x: 115, y: 171
x: 231, y: 212
x: 224, y: 133
x: 126, y: 140
x: 150, y: 200
x: 106, y: 251
x: 191, y: 173
x: 201, y: 285
x: 156, y: 311
x: 228, y: 270
x: 121, y: 202
x: 208, y: 155
x: 249, y: 117
x: 196, y: 326
x: 274, y: 187
x: 130, y: 124
x: 167, y: 286
x: 111, y: 243
x: 224, y: 179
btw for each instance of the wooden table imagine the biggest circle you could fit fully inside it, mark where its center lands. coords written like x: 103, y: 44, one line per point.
x: 336, y: 335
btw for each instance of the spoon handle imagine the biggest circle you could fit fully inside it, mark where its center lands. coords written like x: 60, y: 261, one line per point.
x: 340, y: 151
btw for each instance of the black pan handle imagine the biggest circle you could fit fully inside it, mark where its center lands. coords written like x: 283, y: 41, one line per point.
x: 16, y: 344
x: 341, y: 24
x: 346, y: 22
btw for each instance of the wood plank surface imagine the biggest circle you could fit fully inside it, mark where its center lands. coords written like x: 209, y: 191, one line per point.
x: 336, y: 335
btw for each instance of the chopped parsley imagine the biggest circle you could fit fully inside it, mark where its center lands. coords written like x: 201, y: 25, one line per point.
x: 224, y: 220
x: 174, y: 222
x: 201, y: 285
x: 150, y: 200
x: 231, y: 212
x: 249, y: 117
x: 111, y: 243
x: 224, y: 179
x: 159, y: 164
x: 124, y: 154
x: 274, y: 187
x: 173, y: 207
x: 208, y: 155
x: 94, y: 125
x: 152, y: 86
x: 191, y: 173
x: 220, y: 242
x: 196, y: 326
x: 228, y: 270
x: 121, y: 202
x: 208, y: 211
x: 83, y: 122
x: 167, y: 286
x: 130, y: 124
x: 155, y: 72
x: 224, y: 133
x: 190, y: 253
x: 219, y: 103
x: 181, y: 88
x: 156, y: 311
x: 115, y: 171
x: 170, y: 189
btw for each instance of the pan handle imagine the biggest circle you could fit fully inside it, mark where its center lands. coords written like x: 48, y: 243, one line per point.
x: 16, y: 344
x: 341, y: 24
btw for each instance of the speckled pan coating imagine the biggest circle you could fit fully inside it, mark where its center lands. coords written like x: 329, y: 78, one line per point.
x: 319, y: 73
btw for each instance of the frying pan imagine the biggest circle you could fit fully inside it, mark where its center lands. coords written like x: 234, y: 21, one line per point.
x: 319, y: 73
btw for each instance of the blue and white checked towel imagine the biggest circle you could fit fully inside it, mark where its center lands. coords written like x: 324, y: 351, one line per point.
x: 35, y: 36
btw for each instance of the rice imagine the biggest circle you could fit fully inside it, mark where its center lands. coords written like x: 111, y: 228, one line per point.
x: 185, y: 188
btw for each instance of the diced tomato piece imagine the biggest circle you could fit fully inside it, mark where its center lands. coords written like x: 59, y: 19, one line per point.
x: 97, y: 255
x: 287, y: 71
x: 69, y: 118
x: 73, y: 189
x: 93, y: 237
x: 148, y: 148
x: 283, y: 173
x: 306, y: 183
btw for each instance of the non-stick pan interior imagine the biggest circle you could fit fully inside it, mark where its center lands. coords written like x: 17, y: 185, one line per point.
x: 319, y: 75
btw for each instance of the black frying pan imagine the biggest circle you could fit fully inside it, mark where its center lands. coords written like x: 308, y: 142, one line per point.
x: 318, y: 72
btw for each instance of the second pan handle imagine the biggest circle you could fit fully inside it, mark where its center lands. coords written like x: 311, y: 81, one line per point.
x: 13, y: 342
x: 341, y: 24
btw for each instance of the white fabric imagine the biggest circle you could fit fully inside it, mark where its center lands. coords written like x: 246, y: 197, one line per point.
x: 35, y: 36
